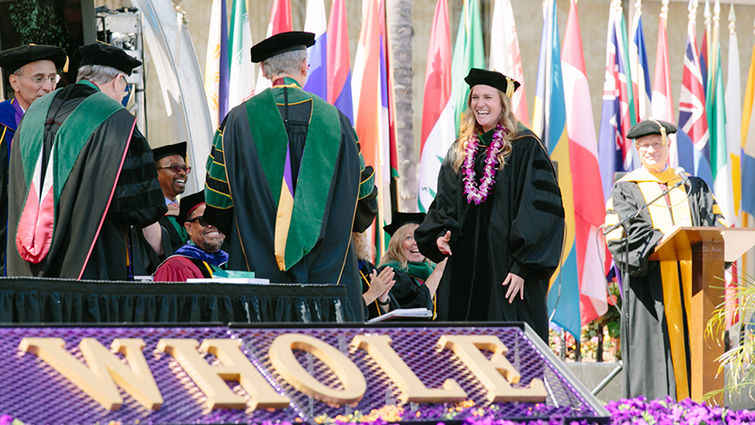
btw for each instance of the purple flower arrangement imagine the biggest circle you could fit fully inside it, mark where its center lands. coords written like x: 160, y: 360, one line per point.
x: 667, y: 412
x: 638, y: 411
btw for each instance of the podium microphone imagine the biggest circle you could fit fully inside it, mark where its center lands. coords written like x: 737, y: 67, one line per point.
x: 683, y: 175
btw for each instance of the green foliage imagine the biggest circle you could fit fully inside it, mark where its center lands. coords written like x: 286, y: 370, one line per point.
x: 37, y: 21
x: 741, y: 357
x: 612, y: 319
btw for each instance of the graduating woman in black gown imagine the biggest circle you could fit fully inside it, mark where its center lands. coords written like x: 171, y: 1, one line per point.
x: 497, y: 216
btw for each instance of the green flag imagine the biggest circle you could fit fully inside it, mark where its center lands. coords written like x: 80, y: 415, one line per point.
x: 468, y: 53
x: 719, y: 157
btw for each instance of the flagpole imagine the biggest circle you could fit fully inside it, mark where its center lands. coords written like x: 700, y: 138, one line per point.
x: 709, y: 36
x: 664, y: 14
x: 713, y: 47
x: 379, y: 157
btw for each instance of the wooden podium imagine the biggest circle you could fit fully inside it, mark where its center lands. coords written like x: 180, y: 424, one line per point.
x: 708, y: 248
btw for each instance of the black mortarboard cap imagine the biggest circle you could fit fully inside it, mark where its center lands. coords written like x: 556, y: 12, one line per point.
x: 187, y: 204
x: 281, y: 43
x: 398, y: 219
x: 174, y: 149
x: 12, y: 59
x: 492, y: 79
x: 108, y: 55
x: 651, y: 126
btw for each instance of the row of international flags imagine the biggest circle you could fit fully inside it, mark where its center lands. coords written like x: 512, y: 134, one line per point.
x: 714, y: 142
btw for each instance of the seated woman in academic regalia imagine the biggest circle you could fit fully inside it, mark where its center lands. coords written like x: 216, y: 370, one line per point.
x: 417, y: 278
x: 201, y: 257
x: 376, y: 286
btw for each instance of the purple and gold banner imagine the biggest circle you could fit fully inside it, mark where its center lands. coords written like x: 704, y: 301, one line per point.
x: 254, y: 374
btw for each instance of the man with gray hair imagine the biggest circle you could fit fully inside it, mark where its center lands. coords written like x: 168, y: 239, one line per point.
x: 286, y: 182
x: 80, y: 175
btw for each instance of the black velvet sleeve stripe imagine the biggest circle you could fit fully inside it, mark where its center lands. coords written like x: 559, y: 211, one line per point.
x: 550, y: 208
x: 137, y: 169
x: 217, y: 185
x: 542, y: 164
x: 217, y: 156
x: 546, y: 186
x: 138, y: 199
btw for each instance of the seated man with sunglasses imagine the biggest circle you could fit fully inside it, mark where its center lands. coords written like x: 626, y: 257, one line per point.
x: 201, y: 257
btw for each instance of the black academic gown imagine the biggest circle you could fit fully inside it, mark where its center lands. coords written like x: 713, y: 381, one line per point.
x: 519, y: 229
x: 10, y: 115
x: 146, y: 260
x: 249, y: 223
x: 176, y: 233
x: 372, y: 309
x: 111, y: 186
x: 651, y: 372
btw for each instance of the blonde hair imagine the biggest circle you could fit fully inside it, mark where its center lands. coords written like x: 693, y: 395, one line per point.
x: 395, y: 251
x: 469, y: 126
x: 362, y: 246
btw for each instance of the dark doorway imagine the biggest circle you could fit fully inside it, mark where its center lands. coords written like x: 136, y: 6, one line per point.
x: 65, y: 23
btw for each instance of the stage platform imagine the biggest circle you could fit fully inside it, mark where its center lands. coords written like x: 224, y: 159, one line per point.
x: 37, y: 300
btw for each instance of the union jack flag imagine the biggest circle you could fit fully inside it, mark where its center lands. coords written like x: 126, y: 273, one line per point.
x: 692, y: 119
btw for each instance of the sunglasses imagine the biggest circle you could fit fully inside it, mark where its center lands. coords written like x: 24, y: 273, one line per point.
x: 176, y: 168
x: 199, y: 219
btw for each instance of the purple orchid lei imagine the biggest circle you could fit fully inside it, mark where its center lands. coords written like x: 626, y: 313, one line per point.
x: 479, y: 194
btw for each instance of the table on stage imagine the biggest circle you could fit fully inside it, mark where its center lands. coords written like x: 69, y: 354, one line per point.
x: 38, y: 300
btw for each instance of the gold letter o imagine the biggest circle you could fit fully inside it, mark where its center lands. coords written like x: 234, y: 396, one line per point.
x: 283, y: 360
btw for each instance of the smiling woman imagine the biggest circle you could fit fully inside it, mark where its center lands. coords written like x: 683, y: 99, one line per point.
x: 416, y: 278
x: 497, y: 218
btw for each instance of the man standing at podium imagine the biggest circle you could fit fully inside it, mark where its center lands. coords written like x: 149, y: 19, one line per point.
x: 655, y: 344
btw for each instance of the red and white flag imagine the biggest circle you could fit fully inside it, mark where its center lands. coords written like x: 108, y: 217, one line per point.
x: 505, y: 56
x: 583, y: 160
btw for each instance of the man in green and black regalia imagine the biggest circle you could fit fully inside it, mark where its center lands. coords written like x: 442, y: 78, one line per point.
x: 81, y: 174
x: 284, y: 180
x: 655, y: 345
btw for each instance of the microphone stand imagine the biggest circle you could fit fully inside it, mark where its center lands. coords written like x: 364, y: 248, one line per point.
x: 626, y: 278
x: 640, y: 209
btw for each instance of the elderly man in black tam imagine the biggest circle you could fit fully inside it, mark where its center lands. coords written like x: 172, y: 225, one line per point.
x: 654, y: 345
x: 285, y: 181
x: 32, y: 71
x: 81, y: 174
